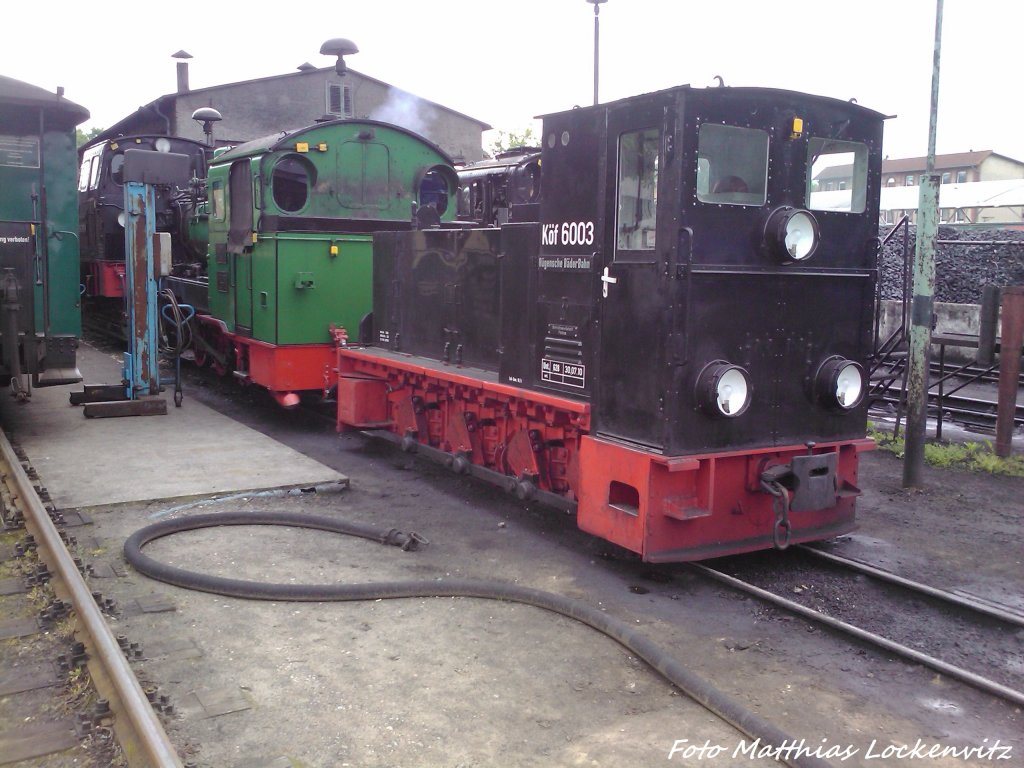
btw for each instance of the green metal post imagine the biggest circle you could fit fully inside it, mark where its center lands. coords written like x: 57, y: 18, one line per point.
x: 923, y: 291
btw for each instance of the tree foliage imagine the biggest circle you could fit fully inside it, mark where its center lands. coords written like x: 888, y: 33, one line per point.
x: 83, y: 137
x: 507, y: 140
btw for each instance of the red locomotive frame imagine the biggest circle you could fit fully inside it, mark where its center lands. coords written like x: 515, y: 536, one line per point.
x: 665, y: 509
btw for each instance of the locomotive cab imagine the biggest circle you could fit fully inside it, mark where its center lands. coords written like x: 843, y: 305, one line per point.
x: 101, y: 209
x: 290, y: 253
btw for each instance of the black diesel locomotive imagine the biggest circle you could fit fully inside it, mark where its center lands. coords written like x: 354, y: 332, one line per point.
x: 674, y: 349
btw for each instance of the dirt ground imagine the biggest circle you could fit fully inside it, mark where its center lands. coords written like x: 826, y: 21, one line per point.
x: 465, y: 682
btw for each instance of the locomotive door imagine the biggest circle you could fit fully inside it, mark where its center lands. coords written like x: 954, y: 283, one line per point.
x: 634, y: 293
x: 240, y: 243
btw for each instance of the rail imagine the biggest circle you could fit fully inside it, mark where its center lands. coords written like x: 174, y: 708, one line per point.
x: 139, y: 731
x: 951, y: 670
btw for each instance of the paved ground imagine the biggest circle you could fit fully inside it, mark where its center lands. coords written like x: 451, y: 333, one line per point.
x: 460, y: 682
x: 189, y: 452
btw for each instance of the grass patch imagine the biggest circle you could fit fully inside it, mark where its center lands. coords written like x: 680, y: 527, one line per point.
x: 971, y: 457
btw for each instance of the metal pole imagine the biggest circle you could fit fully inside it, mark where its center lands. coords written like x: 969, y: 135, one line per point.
x: 924, y: 291
x: 597, y: 44
x: 1009, y: 367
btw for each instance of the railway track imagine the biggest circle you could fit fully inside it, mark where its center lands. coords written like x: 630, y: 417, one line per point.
x: 122, y: 707
x: 964, y: 638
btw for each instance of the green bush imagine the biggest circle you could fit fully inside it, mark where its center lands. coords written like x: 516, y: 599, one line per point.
x: 972, y: 457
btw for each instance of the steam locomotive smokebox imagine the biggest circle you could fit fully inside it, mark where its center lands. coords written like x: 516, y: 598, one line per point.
x: 435, y: 295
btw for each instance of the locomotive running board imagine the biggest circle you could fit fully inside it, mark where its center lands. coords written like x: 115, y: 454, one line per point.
x: 505, y: 482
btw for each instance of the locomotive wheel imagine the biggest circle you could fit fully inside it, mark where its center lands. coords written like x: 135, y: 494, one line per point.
x: 199, y: 353
x: 226, y: 349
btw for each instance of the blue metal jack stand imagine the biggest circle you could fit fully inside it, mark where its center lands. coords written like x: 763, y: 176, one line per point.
x: 143, y: 170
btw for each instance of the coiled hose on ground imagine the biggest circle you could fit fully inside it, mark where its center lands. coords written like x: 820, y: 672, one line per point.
x: 691, y: 684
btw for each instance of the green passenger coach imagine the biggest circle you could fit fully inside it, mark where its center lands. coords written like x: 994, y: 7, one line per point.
x: 40, y: 312
x: 291, y: 218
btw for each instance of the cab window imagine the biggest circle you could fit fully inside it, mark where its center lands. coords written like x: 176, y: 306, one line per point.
x: 732, y: 165
x: 217, y: 200
x: 637, y: 196
x: 89, y: 173
x: 434, y: 191
x: 837, y: 175
x: 85, y: 173
x: 290, y: 181
x: 117, y: 168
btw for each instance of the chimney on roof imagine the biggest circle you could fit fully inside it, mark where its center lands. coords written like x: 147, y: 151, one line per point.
x: 306, y: 67
x: 182, y: 70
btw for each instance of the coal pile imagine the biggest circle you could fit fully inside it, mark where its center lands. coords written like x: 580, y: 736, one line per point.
x: 960, y: 270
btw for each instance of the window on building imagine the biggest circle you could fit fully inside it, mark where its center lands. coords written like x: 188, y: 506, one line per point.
x: 891, y: 182
x: 945, y: 178
x: 909, y: 181
x: 339, y: 99
x: 961, y: 177
x: 732, y: 165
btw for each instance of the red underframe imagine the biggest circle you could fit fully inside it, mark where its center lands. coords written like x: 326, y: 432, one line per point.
x: 664, y: 508
x: 281, y: 369
x: 105, y: 278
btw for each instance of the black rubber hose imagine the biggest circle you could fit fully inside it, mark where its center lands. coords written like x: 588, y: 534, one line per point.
x: 691, y: 684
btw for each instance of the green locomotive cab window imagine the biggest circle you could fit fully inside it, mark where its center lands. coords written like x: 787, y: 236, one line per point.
x: 291, y: 181
x: 837, y: 175
x: 434, y: 191
x: 637, y: 204
x: 217, y: 200
x: 732, y: 165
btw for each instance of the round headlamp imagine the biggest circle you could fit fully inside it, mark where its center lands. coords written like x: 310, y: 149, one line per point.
x: 723, y: 389
x: 839, y: 383
x: 791, y: 234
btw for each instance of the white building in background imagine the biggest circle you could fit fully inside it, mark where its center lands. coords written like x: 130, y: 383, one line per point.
x: 976, y: 187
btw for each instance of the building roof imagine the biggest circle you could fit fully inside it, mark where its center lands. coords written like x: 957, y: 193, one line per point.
x: 158, y: 105
x: 21, y: 94
x: 942, y: 162
x: 844, y: 171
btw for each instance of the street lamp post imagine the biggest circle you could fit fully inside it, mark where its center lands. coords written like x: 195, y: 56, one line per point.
x: 597, y: 39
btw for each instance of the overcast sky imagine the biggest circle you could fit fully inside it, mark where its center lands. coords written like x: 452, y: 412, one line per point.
x: 504, y: 62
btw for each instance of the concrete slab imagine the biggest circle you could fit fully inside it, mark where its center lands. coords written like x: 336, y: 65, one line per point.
x: 192, y: 451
